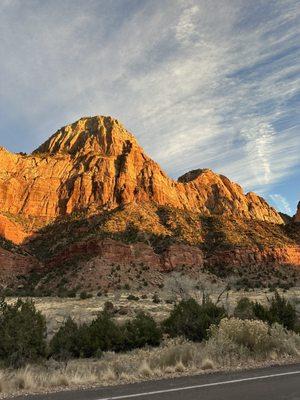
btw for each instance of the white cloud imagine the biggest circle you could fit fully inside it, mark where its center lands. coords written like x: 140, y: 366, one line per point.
x: 281, y: 203
x: 186, y: 28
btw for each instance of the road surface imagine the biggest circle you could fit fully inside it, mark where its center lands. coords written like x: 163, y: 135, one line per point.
x: 274, y: 383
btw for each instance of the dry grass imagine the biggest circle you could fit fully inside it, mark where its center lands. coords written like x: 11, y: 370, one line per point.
x: 207, y: 364
x: 233, y: 344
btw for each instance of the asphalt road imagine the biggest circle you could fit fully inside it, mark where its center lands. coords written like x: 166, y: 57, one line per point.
x: 275, y: 383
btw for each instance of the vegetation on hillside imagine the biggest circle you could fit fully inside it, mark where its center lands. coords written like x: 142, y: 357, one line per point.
x: 159, y: 226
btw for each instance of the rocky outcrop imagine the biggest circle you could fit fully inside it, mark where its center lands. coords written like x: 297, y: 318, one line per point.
x: 13, y: 264
x: 97, y: 164
x: 176, y: 255
x: 113, y: 252
x: 297, y: 215
x: 12, y: 230
x: 269, y: 256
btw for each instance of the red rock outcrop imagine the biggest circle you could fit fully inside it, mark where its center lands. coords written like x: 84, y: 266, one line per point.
x: 115, y: 252
x: 269, y: 256
x: 12, y: 231
x: 14, y: 264
x: 96, y: 163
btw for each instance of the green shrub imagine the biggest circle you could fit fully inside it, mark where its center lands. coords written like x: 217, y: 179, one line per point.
x: 260, y: 312
x: 22, y: 333
x: 132, y: 297
x: 156, y: 298
x: 244, y: 309
x: 71, y: 293
x: 141, y: 331
x: 282, y: 312
x: 192, y: 320
x: 105, y: 334
x: 65, y: 343
x: 109, y: 307
x: 85, y: 342
x: 84, y: 295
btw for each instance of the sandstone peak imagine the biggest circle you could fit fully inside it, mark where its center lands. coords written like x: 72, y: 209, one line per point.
x: 194, y: 174
x: 97, y: 134
x: 96, y: 164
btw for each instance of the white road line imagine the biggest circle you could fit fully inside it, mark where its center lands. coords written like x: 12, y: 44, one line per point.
x: 178, y: 389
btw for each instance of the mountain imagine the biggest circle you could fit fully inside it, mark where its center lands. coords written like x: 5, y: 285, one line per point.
x: 96, y: 163
x: 89, y: 198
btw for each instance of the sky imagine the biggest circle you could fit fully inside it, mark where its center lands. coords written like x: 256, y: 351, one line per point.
x: 201, y: 84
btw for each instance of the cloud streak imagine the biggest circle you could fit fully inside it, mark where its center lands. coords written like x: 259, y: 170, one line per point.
x: 201, y: 84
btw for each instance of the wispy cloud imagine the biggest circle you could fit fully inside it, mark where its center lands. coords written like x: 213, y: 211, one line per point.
x: 201, y: 83
x: 281, y: 202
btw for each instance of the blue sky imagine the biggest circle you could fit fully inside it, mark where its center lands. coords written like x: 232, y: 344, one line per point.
x: 204, y: 83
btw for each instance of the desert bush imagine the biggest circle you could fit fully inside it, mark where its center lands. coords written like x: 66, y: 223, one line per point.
x: 22, y: 333
x: 86, y: 344
x: 141, y: 331
x: 86, y: 340
x: 284, y: 341
x: 237, y: 340
x: 244, y: 309
x: 109, y: 307
x: 156, y: 299
x: 252, y: 334
x: 105, y: 334
x: 279, y: 310
x: 84, y: 295
x: 173, y: 352
x: 260, y: 312
x: 192, y: 320
x: 282, y: 312
x: 65, y: 343
x: 132, y: 297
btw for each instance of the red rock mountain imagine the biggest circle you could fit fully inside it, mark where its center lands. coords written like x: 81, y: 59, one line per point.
x: 97, y: 163
x: 90, y: 198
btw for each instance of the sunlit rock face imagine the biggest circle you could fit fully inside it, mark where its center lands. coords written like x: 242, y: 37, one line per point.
x: 95, y: 163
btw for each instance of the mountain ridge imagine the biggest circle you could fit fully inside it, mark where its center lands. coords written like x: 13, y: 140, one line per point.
x: 97, y: 162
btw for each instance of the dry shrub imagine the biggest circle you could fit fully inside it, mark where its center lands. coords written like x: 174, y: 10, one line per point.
x: 237, y: 340
x: 109, y: 375
x: 174, y: 352
x: 145, y: 370
x: 179, y: 367
x: 207, y: 364
x: 283, y: 341
x: 252, y: 334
